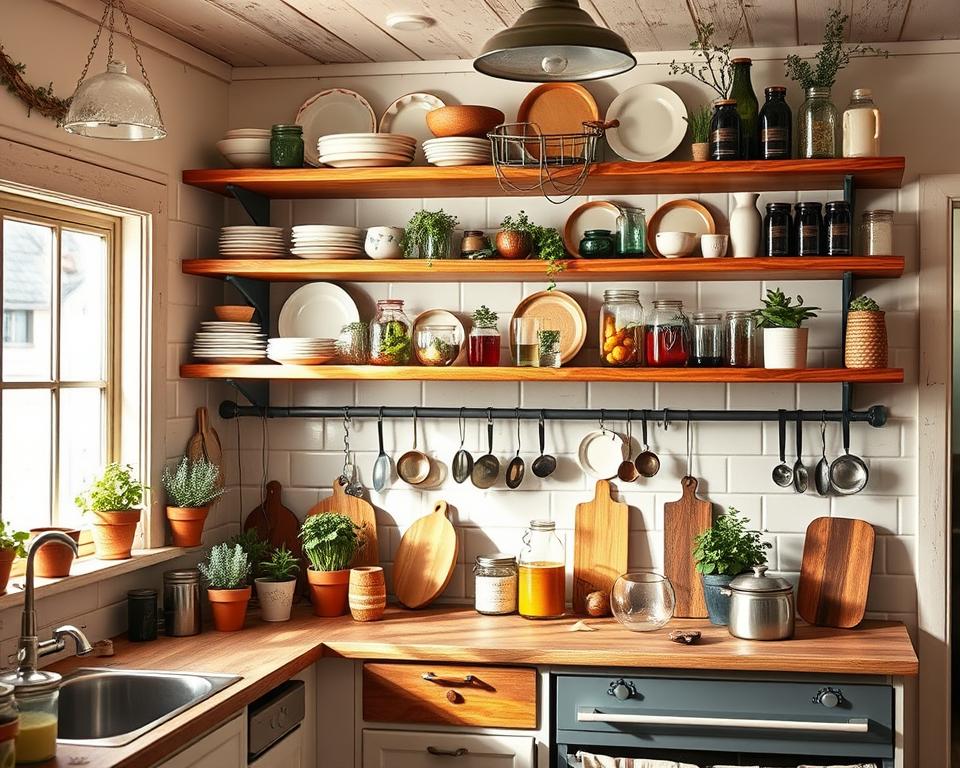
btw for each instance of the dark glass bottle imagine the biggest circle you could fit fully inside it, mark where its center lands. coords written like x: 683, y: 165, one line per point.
x: 776, y: 230
x: 838, y: 228
x: 742, y: 92
x: 725, y: 131
x: 808, y: 229
x: 776, y: 125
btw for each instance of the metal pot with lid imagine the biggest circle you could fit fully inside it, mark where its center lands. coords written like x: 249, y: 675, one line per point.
x: 761, y: 606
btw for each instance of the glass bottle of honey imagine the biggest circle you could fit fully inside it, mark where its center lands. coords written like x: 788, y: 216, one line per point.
x: 542, y: 572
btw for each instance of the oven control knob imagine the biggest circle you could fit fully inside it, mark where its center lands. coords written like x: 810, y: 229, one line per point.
x: 621, y: 689
x: 829, y: 697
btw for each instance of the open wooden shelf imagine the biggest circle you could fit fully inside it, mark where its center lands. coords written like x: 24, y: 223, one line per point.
x: 502, y: 270
x: 465, y: 373
x: 618, y: 178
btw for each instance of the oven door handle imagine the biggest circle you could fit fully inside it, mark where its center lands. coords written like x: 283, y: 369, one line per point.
x: 850, y: 726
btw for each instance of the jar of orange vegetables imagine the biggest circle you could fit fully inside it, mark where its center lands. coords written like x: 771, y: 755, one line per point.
x: 621, y: 329
x: 542, y: 581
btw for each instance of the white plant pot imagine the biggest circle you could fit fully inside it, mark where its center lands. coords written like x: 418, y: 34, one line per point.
x: 745, y: 225
x: 785, y: 347
x: 276, y: 598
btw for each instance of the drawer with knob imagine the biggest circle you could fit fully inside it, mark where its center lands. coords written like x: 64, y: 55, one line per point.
x: 438, y: 694
x: 419, y: 749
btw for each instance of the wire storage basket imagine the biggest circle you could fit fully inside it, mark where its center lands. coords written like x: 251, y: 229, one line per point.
x: 562, y: 160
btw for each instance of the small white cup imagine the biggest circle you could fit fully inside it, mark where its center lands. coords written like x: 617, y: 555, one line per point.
x: 713, y: 246
x: 383, y: 243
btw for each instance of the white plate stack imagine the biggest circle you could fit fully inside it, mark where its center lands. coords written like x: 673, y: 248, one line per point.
x: 252, y: 243
x: 219, y: 341
x: 301, y: 351
x: 366, y: 150
x: 326, y: 241
x: 457, y: 150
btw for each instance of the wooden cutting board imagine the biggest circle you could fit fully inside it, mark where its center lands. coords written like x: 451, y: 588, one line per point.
x: 205, y: 443
x: 682, y: 521
x: 361, y: 512
x: 599, y: 545
x: 425, y: 559
x: 835, y: 571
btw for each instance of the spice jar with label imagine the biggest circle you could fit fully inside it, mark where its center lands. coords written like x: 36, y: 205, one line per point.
x: 837, y: 228
x: 725, y: 131
x: 808, y: 229
x: 667, y: 335
x: 861, y: 126
x: 876, y: 233
x: 776, y: 230
x: 621, y: 329
x: 542, y: 573
x: 390, y: 342
x: 776, y: 125
x: 741, y: 339
x: 495, y: 585
x: 706, y: 340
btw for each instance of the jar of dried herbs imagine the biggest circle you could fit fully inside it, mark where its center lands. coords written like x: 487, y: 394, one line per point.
x: 817, y: 125
x: 353, y: 344
x: 390, y: 342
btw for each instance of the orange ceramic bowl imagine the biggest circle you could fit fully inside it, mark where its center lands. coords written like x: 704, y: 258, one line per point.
x: 463, y: 121
x: 234, y: 313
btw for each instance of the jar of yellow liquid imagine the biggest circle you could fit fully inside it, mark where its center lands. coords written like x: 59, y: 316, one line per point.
x: 9, y: 723
x: 542, y: 581
x: 36, y: 693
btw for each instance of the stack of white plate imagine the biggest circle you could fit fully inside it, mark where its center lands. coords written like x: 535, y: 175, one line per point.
x: 219, y: 341
x: 301, y: 351
x: 366, y: 150
x: 246, y: 147
x: 457, y: 150
x: 252, y: 243
x: 326, y: 241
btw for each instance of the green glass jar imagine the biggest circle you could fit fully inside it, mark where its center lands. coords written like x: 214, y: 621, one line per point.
x: 747, y: 107
x: 286, y: 146
x: 597, y: 244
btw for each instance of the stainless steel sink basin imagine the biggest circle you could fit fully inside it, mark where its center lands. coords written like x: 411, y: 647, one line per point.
x: 111, y: 707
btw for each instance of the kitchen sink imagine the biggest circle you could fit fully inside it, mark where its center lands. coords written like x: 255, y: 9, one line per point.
x: 112, y: 707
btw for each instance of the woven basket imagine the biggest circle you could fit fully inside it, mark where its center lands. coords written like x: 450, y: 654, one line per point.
x: 866, y: 345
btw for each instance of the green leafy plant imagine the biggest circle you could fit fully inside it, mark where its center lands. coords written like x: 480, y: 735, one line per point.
x: 226, y: 567
x: 864, y: 304
x: 424, y: 229
x: 395, y: 343
x: 549, y: 341
x: 728, y: 548
x: 256, y: 549
x: 282, y: 565
x: 484, y: 317
x: 192, y: 484
x: 715, y: 70
x: 833, y: 55
x: 11, y: 539
x: 778, y: 311
x: 699, y: 123
x: 115, y: 490
x: 330, y: 541
x: 547, y: 243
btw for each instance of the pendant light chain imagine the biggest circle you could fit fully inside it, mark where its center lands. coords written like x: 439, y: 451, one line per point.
x: 136, y: 52
x: 93, y: 48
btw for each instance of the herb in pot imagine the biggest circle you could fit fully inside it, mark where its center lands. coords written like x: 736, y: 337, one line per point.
x: 864, y: 304
x: 249, y: 541
x: 226, y: 567
x: 428, y: 235
x: 728, y: 548
x: 282, y: 565
x: 13, y: 540
x: 330, y: 541
x: 193, y: 484
x: 699, y: 123
x: 547, y: 244
x: 115, y: 490
x: 778, y: 311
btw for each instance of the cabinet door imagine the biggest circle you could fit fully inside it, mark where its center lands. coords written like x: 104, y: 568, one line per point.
x: 226, y: 747
x: 418, y: 749
x: 286, y: 753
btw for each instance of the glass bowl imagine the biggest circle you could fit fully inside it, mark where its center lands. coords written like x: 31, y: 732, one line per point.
x: 642, y: 600
x: 437, y: 345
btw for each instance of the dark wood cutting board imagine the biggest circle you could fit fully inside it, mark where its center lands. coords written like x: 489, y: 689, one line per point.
x: 599, y: 545
x: 682, y: 521
x: 835, y: 572
x: 277, y: 525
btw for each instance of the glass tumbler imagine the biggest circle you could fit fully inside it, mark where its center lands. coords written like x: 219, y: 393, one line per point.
x: 526, y: 341
x: 642, y: 600
x: 549, y: 343
x: 706, y: 340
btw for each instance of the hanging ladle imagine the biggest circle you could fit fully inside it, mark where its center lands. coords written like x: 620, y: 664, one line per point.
x: 821, y: 475
x: 800, y: 476
x: 782, y: 474
x: 627, y: 471
x: 647, y: 463
x: 486, y: 469
x: 848, y: 473
x: 516, y: 468
x: 544, y: 464
x: 381, y: 467
x: 463, y: 459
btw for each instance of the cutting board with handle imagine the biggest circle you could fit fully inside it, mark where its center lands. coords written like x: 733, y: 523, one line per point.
x: 426, y: 559
x: 835, y: 571
x: 361, y: 512
x: 683, y: 520
x: 601, y: 529
x: 274, y: 522
x: 205, y: 443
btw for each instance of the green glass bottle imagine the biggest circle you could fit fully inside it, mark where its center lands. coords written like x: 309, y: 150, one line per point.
x: 747, y: 108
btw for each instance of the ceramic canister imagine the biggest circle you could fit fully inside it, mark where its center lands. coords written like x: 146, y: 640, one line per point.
x: 368, y: 593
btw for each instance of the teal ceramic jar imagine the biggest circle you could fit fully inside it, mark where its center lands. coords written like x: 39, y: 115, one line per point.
x: 597, y: 244
x: 286, y: 146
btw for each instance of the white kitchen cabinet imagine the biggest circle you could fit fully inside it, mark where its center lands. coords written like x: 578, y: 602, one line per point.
x: 308, y: 727
x: 420, y: 749
x: 286, y: 753
x: 225, y: 747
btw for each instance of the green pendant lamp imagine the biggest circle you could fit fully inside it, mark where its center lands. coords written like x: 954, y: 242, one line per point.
x: 555, y: 40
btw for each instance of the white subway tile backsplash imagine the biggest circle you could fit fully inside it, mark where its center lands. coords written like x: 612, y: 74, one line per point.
x: 792, y: 513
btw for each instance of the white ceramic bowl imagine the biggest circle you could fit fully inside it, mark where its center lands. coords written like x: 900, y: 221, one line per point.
x: 383, y: 243
x: 246, y: 153
x: 674, y: 245
x: 713, y: 246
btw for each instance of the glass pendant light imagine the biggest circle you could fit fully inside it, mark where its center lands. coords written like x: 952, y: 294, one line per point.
x: 554, y: 40
x: 114, y: 105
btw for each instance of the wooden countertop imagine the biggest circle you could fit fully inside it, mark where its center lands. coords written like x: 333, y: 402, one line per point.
x: 267, y: 654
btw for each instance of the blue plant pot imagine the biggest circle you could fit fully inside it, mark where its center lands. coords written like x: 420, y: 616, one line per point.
x: 718, y: 604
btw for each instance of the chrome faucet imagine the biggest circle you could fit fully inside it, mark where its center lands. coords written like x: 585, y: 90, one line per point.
x: 29, y: 647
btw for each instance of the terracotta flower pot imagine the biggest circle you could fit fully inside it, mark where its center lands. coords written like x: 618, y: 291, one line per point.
x: 229, y: 608
x: 367, y: 593
x: 513, y: 245
x: 328, y: 591
x: 186, y: 525
x: 700, y: 150
x: 113, y: 533
x: 866, y: 345
x: 53, y: 560
x: 7, y: 556
x: 276, y: 598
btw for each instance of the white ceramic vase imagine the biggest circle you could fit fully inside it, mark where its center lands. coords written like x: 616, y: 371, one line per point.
x: 276, y: 598
x: 745, y: 225
x: 785, y: 347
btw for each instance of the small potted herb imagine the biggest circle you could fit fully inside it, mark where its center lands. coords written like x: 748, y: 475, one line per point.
x: 866, y: 340
x: 114, y: 499
x: 515, y: 238
x: 225, y: 571
x: 699, y: 124
x: 53, y: 560
x: 329, y: 542
x: 276, y: 587
x: 256, y: 548
x: 483, y: 344
x: 429, y: 235
x: 723, y: 551
x: 11, y: 547
x: 549, y: 342
x: 784, y: 338
x: 190, y: 488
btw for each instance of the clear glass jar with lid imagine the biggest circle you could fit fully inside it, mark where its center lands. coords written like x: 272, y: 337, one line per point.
x: 37, y: 693
x: 817, y: 124
x: 741, y: 339
x: 861, y: 125
x: 667, y: 335
x: 876, y: 233
x: 9, y: 725
x: 390, y: 342
x: 631, y: 231
x: 542, y: 572
x: 495, y: 585
x: 706, y: 340
x: 621, y: 329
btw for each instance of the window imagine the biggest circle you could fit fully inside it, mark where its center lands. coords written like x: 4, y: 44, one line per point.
x: 57, y: 409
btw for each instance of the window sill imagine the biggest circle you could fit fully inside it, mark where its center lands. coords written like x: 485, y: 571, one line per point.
x: 89, y: 570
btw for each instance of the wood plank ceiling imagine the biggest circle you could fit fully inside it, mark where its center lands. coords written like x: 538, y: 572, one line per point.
x: 249, y: 33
